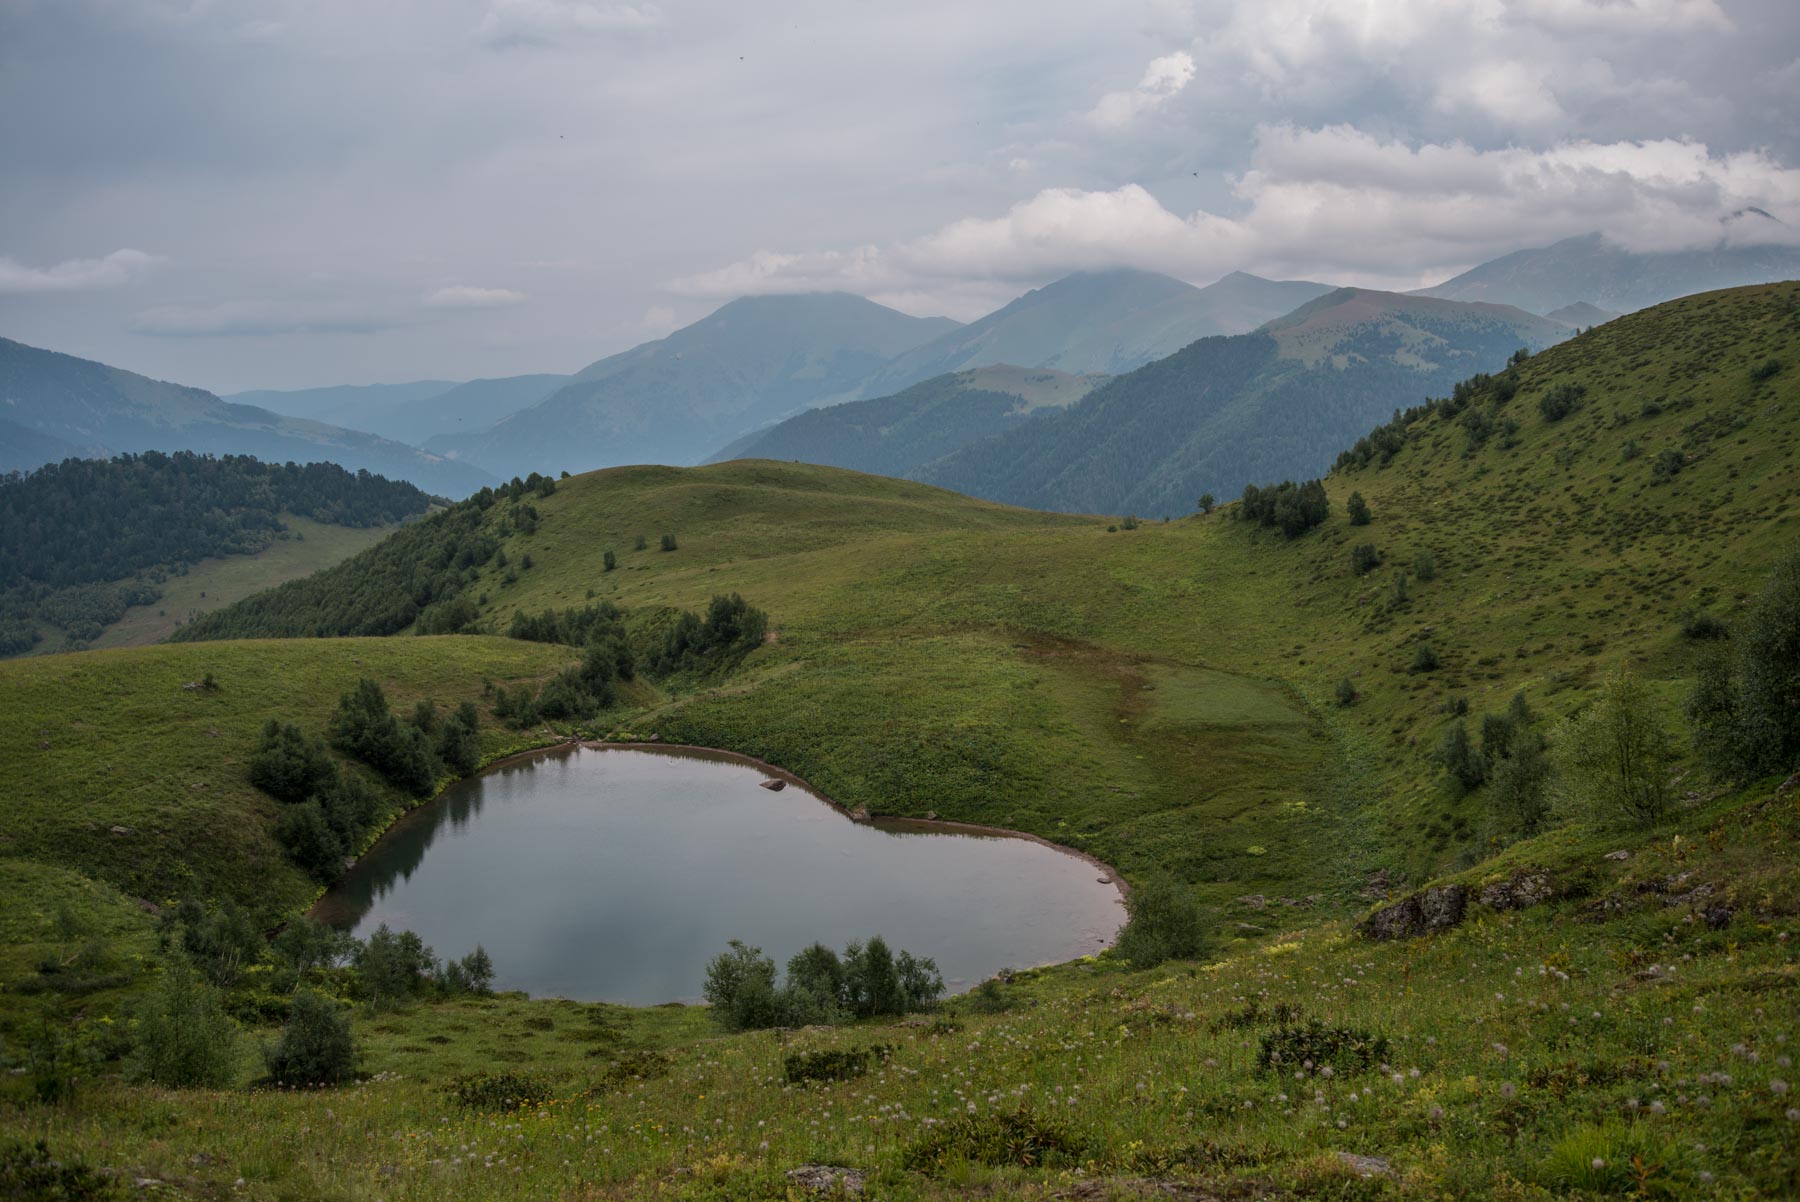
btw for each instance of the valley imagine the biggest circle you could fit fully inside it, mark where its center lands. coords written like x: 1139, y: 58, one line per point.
x: 1260, y: 718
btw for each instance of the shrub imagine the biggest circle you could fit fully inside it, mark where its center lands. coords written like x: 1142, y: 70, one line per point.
x: 731, y: 629
x: 1163, y: 922
x: 1560, y: 401
x: 492, y: 1093
x: 184, y: 1037
x: 740, y: 988
x: 316, y: 1046
x: 668, y: 542
x: 30, y: 1173
x: 309, y: 841
x: 474, y: 973
x: 221, y: 943
x: 1768, y: 369
x: 1346, y: 692
x: 1519, y: 785
x: 1746, y: 705
x: 393, y: 967
x: 1316, y: 1046
x: 1358, y: 509
x: 287, y: 765
x: 1615, y: 754
x: 608, y: 561
x: 1364, y: 558
x: 988, y: 998
x: 1425, y: 566
x: 639, y: 543
x: 1207, y: 502
x: 1457, y: 756
x: 1292, y: 508
x: 1004, y: 1138
x: 1425, y: 659
x: 1668, y: 465
x: 1698, y: 624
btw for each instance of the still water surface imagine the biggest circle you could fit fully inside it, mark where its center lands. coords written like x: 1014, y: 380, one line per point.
x: 616, y: 874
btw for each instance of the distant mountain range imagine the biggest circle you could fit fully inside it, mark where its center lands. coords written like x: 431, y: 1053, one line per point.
x: 55, y: 406
x: 898, y: 435
x: 1219, y: 414
x: 673, y: 400
x: 1600, y: 273
x: 1104, y: 322
x: 413, y: 412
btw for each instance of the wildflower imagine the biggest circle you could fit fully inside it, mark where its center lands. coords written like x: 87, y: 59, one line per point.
x: 1507, y: 1089
x: 1778, y: 1087
x: 1598, y: 1163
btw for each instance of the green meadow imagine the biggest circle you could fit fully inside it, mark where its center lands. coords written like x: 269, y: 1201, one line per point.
x: 1197, y: 698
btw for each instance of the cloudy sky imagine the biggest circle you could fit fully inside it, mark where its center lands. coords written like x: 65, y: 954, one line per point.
x: 280, y: 193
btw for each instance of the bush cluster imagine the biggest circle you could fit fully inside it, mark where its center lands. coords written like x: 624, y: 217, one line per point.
x: 1291, y: 508
x: 821, y: 987
x: 1316, y: 1046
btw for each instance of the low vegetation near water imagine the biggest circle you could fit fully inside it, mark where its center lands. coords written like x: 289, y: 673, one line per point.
x: 1250, y: 721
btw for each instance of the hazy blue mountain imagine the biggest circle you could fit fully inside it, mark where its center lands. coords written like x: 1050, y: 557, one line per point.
x: 676, y: 399
x: 62, y: 402
x: 899, y: 435
x: 463, y: 409
x: 1098, y: 322
x: 1593, y: 270
x: 340, y: 404
x: 1581, y: 315
x: 1228, y: 411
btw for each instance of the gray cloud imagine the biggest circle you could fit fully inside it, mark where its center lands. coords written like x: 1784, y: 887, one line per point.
x: 74, y: 275
x: 314, y: 170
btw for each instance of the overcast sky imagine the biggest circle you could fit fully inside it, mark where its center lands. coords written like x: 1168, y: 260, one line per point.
x: 280, y: 193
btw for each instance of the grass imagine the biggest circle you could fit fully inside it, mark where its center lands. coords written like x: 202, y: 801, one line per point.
x: 214, y: 583
x: 131, y: 778
x: 1521, y: 1047
x: 1160, y: 697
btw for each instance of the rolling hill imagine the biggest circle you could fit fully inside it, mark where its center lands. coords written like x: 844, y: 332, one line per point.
x: 1591, y: 269
x: 1251, y: 408
x: 901, y: 434
x: 68, y: 407
x: 678, y: 398
x: 1102, y: 322
x: 411, y: 413
x: 1598, y: 1010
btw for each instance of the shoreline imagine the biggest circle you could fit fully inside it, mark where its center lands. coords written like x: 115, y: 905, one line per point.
x: 947, y: 825
x: 1109, y: 874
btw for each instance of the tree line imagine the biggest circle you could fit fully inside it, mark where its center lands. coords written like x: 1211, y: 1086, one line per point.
x: 70, y: 532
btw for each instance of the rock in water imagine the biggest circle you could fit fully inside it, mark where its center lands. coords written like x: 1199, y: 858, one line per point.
x: 774, y: 785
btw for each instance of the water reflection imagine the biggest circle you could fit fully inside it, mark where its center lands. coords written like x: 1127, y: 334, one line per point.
x: 616, y: 874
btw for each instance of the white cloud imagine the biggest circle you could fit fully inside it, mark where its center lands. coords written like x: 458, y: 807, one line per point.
x: 658, y: 320
x: 1333, y: 202
x: 462, y: 296
x: 260, y: 319
x: 1512, y: 94
x: 1164, y: 78
x: 75, y: 275
x: 549, y: 22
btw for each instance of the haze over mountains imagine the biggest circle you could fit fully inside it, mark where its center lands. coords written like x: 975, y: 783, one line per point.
x: 1252, y: 408
x: 55, y: 406
x: 1590, y: 269
x: 761, y: 375
x: 675, y: 399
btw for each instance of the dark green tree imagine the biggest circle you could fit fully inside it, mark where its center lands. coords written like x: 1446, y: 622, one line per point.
x: 1358, y: 509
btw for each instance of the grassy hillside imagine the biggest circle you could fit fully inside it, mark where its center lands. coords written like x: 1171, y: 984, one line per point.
x: 130, y: 778
x: 1606, y: 1044
x: 900, y: 434
x: 1161, y: 696
x: 1225, y: 412
x: 214, y: 583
